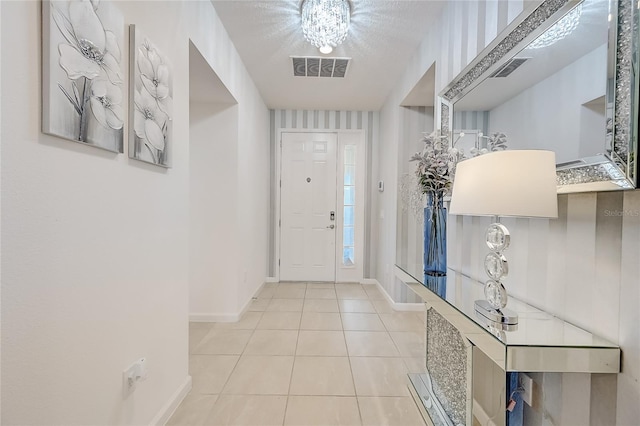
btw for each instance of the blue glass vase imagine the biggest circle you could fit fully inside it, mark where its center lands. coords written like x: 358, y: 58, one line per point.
x: 435, y: 244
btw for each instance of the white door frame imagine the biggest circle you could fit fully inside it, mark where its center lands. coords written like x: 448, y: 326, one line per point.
x: 356, y: 274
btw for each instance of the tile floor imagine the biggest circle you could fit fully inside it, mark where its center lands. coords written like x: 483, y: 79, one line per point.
x: 306, y: 354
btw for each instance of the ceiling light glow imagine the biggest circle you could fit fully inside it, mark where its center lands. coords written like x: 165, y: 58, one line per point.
x: 559, y: 30
x: 325, y: 23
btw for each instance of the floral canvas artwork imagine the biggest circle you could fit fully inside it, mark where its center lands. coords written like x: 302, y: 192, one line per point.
x: 151, y: 108
x: 82, y: 77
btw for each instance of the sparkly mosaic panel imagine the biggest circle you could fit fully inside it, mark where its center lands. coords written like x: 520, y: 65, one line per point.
x: 585, y: 174
x: 448, y: 362
x: 624, y: 80
x: 444, y: 121
x: 605, y: 172
x: 530, y: 24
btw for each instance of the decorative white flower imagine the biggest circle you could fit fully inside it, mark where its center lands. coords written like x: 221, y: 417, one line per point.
x: 154, y: 75
x: 149, y: 120
x: 153, y: 72
x: 90, y: 49
x: 436, y: 164
x: 105, y: 104
x: 496, y: 142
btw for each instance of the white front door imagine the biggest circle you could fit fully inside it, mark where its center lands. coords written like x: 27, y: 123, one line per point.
x: 308, y: 198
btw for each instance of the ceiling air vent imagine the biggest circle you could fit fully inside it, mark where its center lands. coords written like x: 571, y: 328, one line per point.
x: 508, y: 68
x: 312, y: 66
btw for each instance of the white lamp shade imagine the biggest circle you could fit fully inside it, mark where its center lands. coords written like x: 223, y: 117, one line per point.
x: 519, y: 183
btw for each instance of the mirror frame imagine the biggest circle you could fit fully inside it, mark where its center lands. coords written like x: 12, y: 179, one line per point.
x: 619, y: 167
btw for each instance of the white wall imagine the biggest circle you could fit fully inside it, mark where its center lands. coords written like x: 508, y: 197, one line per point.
x: 253, y: 188
x: 214, y: 249
x: 582, y: 267
x: 0, y: 213
x: 95, y: 246
x: 570, y: 134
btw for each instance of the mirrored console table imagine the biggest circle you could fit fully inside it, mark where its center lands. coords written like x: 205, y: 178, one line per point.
x: 470, y: 362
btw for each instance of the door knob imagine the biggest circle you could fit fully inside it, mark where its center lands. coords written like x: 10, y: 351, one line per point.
x: 331, y: 226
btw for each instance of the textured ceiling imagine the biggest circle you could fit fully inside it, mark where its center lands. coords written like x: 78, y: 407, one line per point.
x: 383, y: 37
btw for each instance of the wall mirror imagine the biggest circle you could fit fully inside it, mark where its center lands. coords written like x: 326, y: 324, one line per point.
x: 565, y: 79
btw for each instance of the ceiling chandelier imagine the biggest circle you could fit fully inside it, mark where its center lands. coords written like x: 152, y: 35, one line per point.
x: 325, y: 23
x: 559, y: 30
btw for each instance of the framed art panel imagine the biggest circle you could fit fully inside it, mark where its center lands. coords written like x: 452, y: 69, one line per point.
x: 151, y: 96
x: 82, y: 80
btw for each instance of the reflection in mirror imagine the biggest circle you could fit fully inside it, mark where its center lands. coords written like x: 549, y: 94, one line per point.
x: 563, y: 92
x: 551, y: 95
x: 474, y: 142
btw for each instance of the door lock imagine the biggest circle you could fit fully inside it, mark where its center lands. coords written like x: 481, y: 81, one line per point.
x: 332, y: 215
x: 331, y: 226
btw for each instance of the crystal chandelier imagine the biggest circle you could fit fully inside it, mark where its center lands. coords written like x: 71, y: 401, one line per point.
x: 559, y: 30
x: 325, y: 23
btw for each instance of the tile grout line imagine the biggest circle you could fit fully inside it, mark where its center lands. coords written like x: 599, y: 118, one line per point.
x: 396, y: 345
x: 391, y: 336
x: 353, y: 379
x: 351, y: 366
x: 220, y: 393
x: 226, y: 382
x: 295, y: 351
x: 253, y: 330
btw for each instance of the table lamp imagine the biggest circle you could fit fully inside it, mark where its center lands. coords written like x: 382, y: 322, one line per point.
x: 519, y: 183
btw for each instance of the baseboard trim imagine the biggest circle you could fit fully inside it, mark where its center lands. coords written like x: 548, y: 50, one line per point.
x: 271, y: 280
x: 247, y: 304
x: 228, y: 317
x: 409, y: 307
x: 397, y: 306
x: 172, y: 404
x: 369, y: 281
x: 214, y: 317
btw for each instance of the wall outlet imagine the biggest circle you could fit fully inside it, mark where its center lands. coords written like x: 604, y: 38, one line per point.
x: 128, y: 381
x: 131, y: 376
x: 527, y: 384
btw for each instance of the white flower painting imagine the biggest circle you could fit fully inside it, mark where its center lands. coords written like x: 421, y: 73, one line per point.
x: 151, y: 109
x: 82, y: 76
